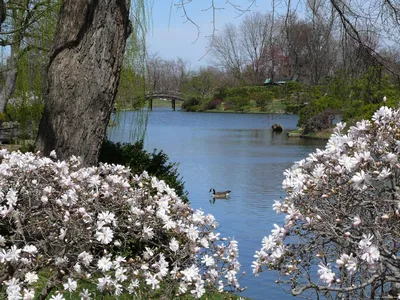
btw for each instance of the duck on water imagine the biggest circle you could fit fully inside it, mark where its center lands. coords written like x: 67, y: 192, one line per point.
x: 219, y: 195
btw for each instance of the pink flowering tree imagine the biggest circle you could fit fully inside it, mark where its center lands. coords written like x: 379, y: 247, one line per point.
x: 94, y: 231
x: 341, y: 231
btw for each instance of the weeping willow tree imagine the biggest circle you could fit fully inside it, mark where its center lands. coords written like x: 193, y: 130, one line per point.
x: 25, y: 104
x: 132, y: 88
x: 27, y: 28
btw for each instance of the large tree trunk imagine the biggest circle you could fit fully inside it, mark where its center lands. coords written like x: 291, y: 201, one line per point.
x: 83, y: 76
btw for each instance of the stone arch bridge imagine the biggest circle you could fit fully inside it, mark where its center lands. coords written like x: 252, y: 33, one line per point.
x: 172, y: 96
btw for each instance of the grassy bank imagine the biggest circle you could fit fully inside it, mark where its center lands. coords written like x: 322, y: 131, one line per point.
x: 323, y: 135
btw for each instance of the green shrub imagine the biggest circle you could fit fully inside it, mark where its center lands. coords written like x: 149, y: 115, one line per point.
x: 2, y: 117
x: 221, y: 93
x: 261, y: 99
x: 242, y: 92
x: 139, y: 160
x: 192, y: 104
x: 238, y: 103
x: 27, y: 114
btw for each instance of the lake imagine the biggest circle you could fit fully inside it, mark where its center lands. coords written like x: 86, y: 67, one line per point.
x: 236, y: 152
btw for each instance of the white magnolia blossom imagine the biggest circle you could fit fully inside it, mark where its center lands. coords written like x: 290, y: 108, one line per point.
x: 103, y: 225
x: 342, y: 205
x: 326, y: 274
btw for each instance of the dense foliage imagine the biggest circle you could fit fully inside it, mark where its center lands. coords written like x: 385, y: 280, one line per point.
x: 193, y: 104
x: 139, y: 160
x: 65, y: 229
x: 340, y: 237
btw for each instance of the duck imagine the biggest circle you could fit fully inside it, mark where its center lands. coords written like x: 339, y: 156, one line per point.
x: 219, y: 195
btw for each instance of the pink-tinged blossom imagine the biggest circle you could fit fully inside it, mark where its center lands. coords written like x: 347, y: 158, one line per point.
x: 392, y: 158
x: 385, y: 217
x: 278, y: 232
x: 384, y: 173
x: 362, y: 156
x: 340, y: 127
x: 349, y: 163
x: 347, y: 261
x: 382, y: 115
x: 366, y: 241
x: 278, y: 252
x: 319, y: 172
x: 363, y: 125
x: 356, y: 221
x: 326, y: 274
x: 361, y: 180
x: 371, y: 254
x: 107, y: 218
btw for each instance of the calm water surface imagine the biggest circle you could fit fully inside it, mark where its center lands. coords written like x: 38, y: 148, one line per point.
x: 238, y: 152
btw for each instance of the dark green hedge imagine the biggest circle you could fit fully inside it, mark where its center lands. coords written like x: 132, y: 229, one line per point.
x: 139, y: 160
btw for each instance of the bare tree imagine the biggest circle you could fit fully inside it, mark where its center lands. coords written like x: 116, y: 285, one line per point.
x: 256, y: 45
x: 180, y: 73
x: 164, y: 75
x: 225, y: 48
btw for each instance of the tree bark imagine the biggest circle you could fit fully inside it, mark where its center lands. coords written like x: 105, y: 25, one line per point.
x: 83, y: 76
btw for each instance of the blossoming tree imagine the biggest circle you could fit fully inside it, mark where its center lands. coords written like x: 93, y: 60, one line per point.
x: 87, y: 232
x: 341, y: 232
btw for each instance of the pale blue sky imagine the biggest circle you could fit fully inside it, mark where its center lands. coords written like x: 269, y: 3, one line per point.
x: 170, y: 37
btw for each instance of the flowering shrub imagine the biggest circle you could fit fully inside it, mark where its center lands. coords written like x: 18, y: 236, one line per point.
x: 341, y: 234
x: 102, y: 231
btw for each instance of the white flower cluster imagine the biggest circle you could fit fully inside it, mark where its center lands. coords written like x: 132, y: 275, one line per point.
x: 342, y: 205
x: 104, y: 226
